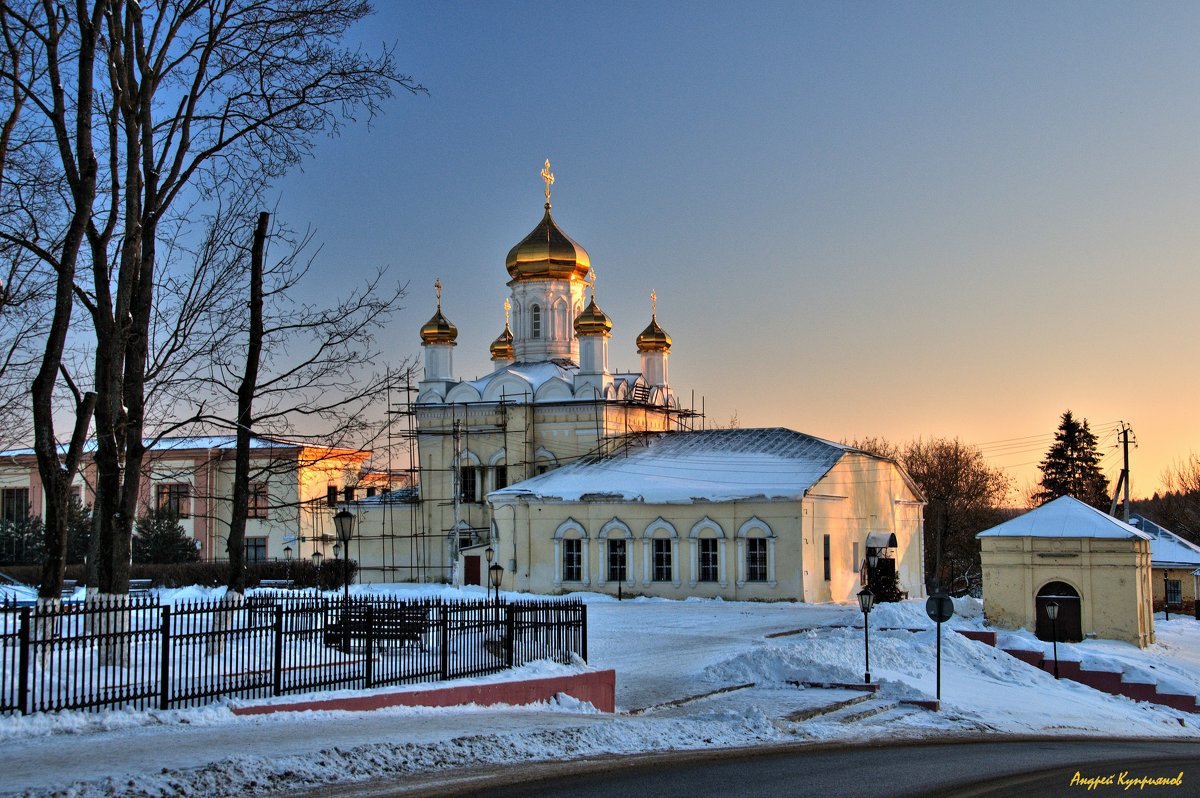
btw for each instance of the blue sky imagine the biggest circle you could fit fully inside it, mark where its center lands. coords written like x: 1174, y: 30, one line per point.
x: 892, y: 219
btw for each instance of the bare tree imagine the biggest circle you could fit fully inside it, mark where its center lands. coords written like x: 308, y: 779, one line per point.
x: 303, y: 364
x: 131, y: 116
x: 964, y: 496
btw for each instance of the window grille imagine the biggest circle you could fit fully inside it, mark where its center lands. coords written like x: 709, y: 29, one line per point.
x: 572, y: 560
x: 662, y: 560
x: 756, y: 559
x: 616, y: 560
x: 708, y: 560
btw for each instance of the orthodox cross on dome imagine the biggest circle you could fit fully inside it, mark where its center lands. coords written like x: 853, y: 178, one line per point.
x: 548, y: 176
x: 507, y: 308
x: 437, y: 287
x: 591, y: 280
x: 653, y: 303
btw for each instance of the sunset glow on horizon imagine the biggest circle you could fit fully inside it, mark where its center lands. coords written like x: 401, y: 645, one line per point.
x: 897, y: 220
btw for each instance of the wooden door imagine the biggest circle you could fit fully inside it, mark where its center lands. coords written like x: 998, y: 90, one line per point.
x: 1070, y: 622
x: 472, y: 575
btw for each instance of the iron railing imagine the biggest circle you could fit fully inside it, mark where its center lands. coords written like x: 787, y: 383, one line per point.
x: 136, y: 653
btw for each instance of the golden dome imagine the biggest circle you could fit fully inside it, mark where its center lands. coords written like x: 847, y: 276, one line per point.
x: 502, y: 347
x: 438, y: 330
x: 592, y: 321
x: 654, y: 338
x: 547, y: 253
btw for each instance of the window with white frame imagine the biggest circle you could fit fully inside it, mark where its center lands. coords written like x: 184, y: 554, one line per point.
x: 535, y: 321
x: 258, y: 500
x: 256, y: 549
x: 708, y: 560
x: 617, y: 560
x: 14, y: 504
x: 468, y: 483
x: 756, y: 559
x: 572, y: 560
x: 662, y: 560
x: 173, y: 498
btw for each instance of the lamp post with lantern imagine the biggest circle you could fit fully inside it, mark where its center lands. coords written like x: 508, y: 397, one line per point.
x: 343, y: 523
x: 1052, y: 614
x: 287, y: 559
x: 317, y: 557
x: 866, y: 600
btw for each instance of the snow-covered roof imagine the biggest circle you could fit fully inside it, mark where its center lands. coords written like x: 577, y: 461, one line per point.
x: 182, y: 443
x: 534, y: 374
x: 405, y: 495
x: 1166, y: 548
x: 1065, y: 517
x: 681, y: 467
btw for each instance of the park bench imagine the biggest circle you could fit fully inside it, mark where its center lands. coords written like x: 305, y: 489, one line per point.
x: 277, y: 584
x: 140, y: 587
x: 387, y: 625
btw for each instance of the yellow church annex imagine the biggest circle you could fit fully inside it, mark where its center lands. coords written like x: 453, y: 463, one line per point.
x: 575, y: 477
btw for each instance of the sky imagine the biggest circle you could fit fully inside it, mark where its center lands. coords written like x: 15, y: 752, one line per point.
x: 860, y: 219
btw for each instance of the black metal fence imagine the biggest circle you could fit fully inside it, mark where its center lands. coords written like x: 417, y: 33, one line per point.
x: 139, y: 654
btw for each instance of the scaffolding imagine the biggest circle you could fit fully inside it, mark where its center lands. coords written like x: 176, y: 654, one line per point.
x: 439, y: 506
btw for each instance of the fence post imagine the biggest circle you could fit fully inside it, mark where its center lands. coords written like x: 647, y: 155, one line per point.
x: 583, y: 630
x: 369, y: 667
x: 277, y: 659
x: 164, y: 644
x: 509, y: 634
x: 444, y: 620
x: 23, y: 663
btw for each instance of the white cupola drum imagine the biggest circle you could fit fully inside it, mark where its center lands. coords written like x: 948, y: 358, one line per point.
x: 653, y: 344
x: 438, y: 337
x: 548, y: 271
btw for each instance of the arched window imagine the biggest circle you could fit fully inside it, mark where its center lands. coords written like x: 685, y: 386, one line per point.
x: 535, y: 321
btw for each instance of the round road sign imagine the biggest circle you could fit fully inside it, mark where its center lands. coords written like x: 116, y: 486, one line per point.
x: 939, y: 608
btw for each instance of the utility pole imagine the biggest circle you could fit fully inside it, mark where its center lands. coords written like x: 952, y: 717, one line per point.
x: 1123, y: 480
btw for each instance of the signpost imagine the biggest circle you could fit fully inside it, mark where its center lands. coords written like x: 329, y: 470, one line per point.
x: 940, y: 609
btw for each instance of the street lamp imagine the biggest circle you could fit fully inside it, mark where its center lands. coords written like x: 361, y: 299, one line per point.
x: 1166, y: 595
x: 1052, y: 614
x: 866, y: 600
x: 872, y: 561
x: 317, y: 556
x: 496, y: 576
x: 490, y: 554
x: 343, y: 522
x: 287, y: 558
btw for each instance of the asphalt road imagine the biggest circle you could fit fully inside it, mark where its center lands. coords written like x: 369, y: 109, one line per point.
x: 961, y: 769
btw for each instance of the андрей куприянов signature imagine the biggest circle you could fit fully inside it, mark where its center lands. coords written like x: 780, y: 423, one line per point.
x: 1125, y: 781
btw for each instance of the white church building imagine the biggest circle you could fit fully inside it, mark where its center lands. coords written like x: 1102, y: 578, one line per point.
x: 553, y: 461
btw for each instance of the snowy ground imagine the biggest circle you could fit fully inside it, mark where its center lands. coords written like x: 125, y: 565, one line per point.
x: 691, y: 674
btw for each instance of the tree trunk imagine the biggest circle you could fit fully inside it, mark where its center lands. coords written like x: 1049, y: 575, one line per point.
x: 236, y: 581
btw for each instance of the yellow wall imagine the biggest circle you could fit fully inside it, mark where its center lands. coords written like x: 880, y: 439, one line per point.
x: 1112, y: 577
x: 884, y: 503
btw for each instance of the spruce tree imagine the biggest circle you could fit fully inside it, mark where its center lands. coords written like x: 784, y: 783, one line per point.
x: 161, y: 539
x: 1071, y: 467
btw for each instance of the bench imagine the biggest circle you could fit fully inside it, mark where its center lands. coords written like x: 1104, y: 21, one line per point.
x: 68, y: 589
x: 277, y: 584
x: 387, y: 625
x: 140, y: 587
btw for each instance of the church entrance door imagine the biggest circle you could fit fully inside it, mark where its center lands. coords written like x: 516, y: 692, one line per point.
x: 472, y: 574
